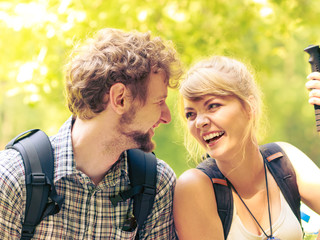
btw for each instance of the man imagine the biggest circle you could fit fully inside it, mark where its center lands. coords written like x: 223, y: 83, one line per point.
x: 116, y: 89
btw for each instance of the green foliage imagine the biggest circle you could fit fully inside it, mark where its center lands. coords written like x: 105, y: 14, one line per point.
x: 310, y: 237
x: 36, y: 37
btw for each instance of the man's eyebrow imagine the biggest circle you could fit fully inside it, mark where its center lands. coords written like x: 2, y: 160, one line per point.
x: 188, y: 108
x: 162, y: 97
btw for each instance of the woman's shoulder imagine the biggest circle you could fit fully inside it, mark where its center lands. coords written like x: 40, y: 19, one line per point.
x: 195, y: 207
x: 195, y: 184
x: 194, y: 177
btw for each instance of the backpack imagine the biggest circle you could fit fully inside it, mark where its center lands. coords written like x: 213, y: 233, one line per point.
x: 279, y: 166
x: 42, y: 199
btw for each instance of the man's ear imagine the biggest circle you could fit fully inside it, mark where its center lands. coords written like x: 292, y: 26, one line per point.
x: 119, y: 98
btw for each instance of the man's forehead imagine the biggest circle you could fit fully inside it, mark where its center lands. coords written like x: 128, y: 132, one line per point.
x: 158, y: 85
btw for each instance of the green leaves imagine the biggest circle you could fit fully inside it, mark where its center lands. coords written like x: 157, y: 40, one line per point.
x: 37, y: 36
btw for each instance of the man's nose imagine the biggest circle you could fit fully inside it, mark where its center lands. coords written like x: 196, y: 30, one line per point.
x: 165, y: 114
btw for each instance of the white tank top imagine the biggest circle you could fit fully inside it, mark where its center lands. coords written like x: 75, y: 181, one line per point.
x: 287, y: 226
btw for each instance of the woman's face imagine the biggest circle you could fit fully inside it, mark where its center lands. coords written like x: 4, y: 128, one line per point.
x: 218, y: 124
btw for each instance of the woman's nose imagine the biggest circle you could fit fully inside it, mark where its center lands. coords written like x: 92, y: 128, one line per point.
x: 202, y: 120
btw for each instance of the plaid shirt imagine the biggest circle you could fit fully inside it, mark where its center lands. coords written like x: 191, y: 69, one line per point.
x: 87, y: 212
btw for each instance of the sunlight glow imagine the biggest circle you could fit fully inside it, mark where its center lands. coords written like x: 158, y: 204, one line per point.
x: 63, y: 6
x: 26, y: 72
x: 51, y: 32
x: 142, y: 16
x: 34, y: 98
x: 42, y: 54
x: 47, y: 88
x: 32, y: 88
x: 264, y: 2
x: 26, y: 15
x: 31, y: 14
x: 36, y: 14
x: 12, y: 92
x: 174, y: 14
x: 266, y: 11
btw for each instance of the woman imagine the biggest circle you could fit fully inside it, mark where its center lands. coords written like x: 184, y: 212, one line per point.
x: 222, y: 107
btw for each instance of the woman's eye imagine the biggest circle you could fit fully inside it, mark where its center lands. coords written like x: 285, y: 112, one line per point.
x: 214, y: 105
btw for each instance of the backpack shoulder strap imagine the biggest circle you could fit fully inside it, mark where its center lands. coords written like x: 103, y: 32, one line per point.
x: 279, y: 166
x: 283, y: 172
x: 222, y: 192
x: 143, y: 172
x: 36, y: 151
x: 143, y: 179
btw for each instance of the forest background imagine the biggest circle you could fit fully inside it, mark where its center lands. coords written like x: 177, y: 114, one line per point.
x: 270, y: 36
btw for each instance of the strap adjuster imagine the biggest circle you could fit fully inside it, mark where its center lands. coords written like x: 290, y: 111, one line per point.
x: 38, y: 179
x: 115, y: 199
x: 148, y: 190
x: 27, y: 231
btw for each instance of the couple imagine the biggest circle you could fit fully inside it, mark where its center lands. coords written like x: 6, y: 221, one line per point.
x: 116, y: 89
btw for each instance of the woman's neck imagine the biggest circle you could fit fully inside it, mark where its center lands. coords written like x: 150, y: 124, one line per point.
x: 245, y: 170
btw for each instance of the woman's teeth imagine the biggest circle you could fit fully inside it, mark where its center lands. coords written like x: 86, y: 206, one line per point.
x: 212, y: 136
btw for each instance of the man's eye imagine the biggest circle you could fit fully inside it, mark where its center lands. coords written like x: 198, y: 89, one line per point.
x: 188, y: 115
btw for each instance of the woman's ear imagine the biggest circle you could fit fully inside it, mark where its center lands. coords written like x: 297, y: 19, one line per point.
x: 119, y: 98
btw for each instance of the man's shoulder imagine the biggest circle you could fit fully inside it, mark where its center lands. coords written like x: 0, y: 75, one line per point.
x: 11, y: 169
x: 10, y: 159
x: 160, y: 221
x: 165, y: 174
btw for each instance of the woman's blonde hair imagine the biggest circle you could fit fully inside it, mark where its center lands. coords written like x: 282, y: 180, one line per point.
x: 221, y: 76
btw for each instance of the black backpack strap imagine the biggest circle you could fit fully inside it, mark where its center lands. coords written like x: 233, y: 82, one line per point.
x: 222, y: 192
x: 283, y: 172
x: 36, y: 151
x: 143, y: 179
x: 279, y: 166
x: 143, y: 172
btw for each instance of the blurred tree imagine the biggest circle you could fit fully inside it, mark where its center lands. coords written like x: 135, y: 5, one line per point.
x: 270, y: 35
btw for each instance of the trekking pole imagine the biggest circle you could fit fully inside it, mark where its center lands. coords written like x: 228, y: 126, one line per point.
x: 314, y: 60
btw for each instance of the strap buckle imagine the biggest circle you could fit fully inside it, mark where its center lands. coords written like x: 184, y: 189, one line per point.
x: 27, y: 231
x: 115, y: 199
x: 148, y: 190
x: 38, y: 179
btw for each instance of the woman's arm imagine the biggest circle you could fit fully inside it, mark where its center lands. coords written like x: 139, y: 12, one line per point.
x: 308, y: 176
x: 195, y: 208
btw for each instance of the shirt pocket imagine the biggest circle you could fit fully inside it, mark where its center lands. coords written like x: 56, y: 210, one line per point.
x: 125, y: 235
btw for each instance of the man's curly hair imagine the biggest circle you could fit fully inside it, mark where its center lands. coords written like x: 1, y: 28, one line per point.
x: 114, y: 56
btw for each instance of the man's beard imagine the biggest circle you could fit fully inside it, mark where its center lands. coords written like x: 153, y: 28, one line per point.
x: 142, y: 140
